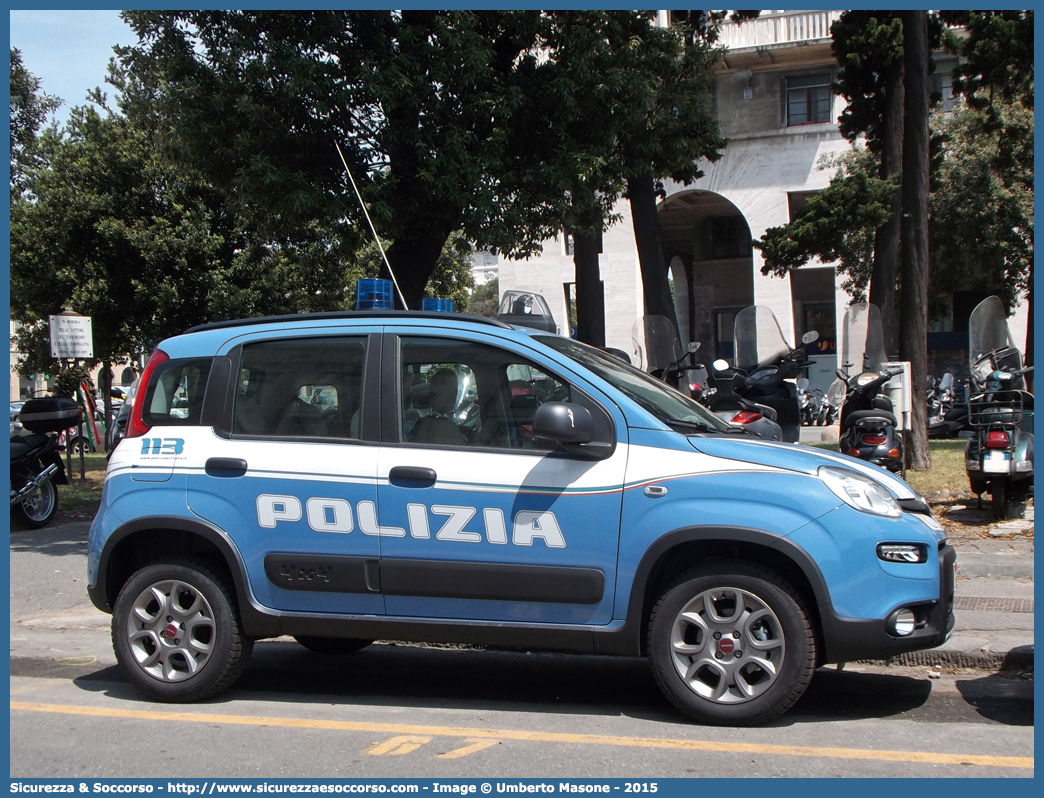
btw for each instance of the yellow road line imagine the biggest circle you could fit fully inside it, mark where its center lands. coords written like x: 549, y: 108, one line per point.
x: 475, y: 745
x: 925, y: 757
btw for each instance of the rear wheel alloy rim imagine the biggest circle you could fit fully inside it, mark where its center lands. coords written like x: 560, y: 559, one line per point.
x: 171, y: 630
x: 727, y: 645
x: 38, y: 504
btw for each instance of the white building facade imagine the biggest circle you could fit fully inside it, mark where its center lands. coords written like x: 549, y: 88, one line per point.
x: 775, y: 106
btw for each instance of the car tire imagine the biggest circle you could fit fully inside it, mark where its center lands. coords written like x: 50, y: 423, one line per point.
x: 177, y: 633
x: 80, y: 444
x: 332, y: 645
x: 38, y: 508
x: 731, y: 644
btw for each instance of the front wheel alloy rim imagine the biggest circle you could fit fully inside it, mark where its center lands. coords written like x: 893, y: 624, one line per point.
x: 727, y: 645
x: 171, y: 630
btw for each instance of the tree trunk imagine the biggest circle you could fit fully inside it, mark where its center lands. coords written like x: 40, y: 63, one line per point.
x: 646, y: 222
x: 105, y: 389
x: 913, y: 333
x: 413, y: 258
x: 1028, y: 361
x: 886, y: 239
x: 590, y: 300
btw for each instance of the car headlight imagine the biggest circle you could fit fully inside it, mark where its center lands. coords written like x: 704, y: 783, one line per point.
x: 859, y: 492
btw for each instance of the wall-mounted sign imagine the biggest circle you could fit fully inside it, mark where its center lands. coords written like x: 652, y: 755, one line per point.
x: 71, y: 336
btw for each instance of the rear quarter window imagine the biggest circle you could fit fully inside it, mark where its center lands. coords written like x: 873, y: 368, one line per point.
x: 174, y: 396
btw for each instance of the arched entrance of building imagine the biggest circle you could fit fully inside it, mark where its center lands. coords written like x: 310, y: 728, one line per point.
x: 716, y: 273
x: 706, y: 242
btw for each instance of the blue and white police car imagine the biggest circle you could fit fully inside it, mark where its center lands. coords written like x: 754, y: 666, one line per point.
x: 346, y: 477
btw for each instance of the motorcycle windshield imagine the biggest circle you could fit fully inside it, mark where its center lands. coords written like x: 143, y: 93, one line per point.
x: 759, y: 338
x: 661, y: 347
x: 835, y: 394
x: 988, y: 328
x: 863, y: 348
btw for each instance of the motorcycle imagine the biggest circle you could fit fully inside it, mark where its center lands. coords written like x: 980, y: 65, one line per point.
x: 36, y: 466
x: 764, y: 364
x: 869, y: 428
x: 946, y: 415
x: 999, y: 457
x: 810, y: 400
x: 662, y: 355
x: 830, y: 409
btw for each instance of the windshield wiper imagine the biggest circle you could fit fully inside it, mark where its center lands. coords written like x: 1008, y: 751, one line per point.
x: 699, y: 426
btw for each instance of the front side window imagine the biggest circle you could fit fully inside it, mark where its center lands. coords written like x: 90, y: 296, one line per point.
x: 808, y: 100
x: 301, y: 388
x: 460, y: 393
x: 671, y: 407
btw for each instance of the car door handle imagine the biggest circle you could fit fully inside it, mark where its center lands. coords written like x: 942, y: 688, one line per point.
x: 225, y: 467
x: 412, y: 477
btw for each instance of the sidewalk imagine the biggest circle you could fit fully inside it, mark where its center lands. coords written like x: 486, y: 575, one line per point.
x: 994, y: 596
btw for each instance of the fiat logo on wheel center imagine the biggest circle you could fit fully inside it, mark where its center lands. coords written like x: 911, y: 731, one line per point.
x: 726, y: 645
x: 171, y: 631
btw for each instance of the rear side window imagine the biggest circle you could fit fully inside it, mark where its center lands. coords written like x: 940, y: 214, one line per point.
x: 303, y: 388
x: 174, y: 396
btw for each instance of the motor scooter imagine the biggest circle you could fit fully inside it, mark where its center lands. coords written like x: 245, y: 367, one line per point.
x: 36, y: 466
x: 662, y: 358
x: 830, y: 409
x: 999, y: 457
x: 947, y: 414
x: 869, y: 428
x: 765, y: 364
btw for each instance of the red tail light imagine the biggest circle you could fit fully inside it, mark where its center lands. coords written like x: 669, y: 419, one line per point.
x: 997, y: 439
x: 745, y: 417
x: 874, y: 438
x: 135, y: 426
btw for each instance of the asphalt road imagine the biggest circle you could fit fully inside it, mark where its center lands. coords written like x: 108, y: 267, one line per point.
x: 410, y: 711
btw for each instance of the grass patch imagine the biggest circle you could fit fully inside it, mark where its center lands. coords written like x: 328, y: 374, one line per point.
x: 947, y: 469
x: 84, y: 495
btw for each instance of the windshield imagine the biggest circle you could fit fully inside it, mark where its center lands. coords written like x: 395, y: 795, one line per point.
x: 661, y: 343
x: 988, y: 328
x: 863, y: 349
x: 671, y: 407
x: 759, y: 339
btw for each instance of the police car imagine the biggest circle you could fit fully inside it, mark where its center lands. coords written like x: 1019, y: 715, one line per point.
x: 347, y: 477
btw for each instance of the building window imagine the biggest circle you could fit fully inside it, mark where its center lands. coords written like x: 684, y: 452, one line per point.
x: 725, y: 326
x: 808, y: 100
x: 730, y: 237
x: 797, y: 202
x: 942, y: 85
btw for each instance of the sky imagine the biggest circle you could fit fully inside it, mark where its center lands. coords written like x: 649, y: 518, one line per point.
x: 68, y: 51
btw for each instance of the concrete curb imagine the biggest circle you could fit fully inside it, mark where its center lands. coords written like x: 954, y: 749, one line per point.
x: 1018, y: 659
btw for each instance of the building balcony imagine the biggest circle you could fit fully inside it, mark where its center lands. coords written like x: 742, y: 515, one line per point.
x: 774, y: 28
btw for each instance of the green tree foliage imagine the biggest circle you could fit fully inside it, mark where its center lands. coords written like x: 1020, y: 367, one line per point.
x: 997, y: 53
x: 982, y: 204
x: 423, y: 102
x: 30, y: 108
x: 838, y: 223
x: 485, y: 299
x: 145, y: 247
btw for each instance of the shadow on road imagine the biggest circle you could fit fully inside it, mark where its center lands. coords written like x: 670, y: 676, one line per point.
x: 55, y: 541
x: 488, y: 680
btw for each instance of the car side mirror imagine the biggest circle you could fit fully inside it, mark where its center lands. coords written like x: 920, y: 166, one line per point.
x: 694, y: 347
x: 809, y: 337
x: 563, y: 422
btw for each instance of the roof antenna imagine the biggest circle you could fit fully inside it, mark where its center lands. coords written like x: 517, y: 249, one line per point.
x: 376, y: 237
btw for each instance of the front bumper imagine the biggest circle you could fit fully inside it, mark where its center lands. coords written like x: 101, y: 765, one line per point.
x: 850, y: 639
